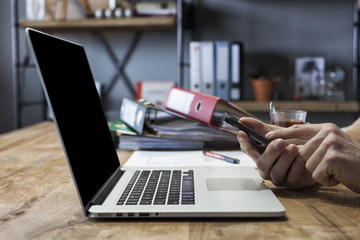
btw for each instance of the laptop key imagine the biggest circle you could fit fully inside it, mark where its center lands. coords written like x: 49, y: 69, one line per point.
x: 131, y: 203
x: 159, y: 202
x: 188, y: 191
x: 159, y: 188
x: 146, y: 202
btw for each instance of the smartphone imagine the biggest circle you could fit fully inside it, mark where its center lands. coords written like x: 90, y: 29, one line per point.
x: 252, y: 133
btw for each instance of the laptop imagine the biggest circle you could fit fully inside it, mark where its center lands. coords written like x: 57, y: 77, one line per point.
x: 105, y: 190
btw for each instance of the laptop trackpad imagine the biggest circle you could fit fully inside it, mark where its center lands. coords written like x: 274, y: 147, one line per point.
x: 231, y: 184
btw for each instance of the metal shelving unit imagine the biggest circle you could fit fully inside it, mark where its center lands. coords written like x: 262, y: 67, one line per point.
x: 182, y: 21
x: 352, y: 105
x: 136, y: 24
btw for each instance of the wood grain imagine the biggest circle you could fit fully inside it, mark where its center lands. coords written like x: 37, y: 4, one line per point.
x: 38, y: 201
x: 134, y: 23
x: 307, y: 105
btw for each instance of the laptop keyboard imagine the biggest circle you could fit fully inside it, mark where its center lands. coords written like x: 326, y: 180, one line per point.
x: 159, y: 187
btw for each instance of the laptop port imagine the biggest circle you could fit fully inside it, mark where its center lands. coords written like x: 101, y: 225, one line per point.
x: 104, y: 215
x: 144, y: 214
x: 119, y: 214
x: 131, y: 214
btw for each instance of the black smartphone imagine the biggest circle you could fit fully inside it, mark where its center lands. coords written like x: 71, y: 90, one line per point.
x: 252, y: 133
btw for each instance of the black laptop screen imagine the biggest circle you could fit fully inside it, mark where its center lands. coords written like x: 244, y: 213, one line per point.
x: 70, y: 88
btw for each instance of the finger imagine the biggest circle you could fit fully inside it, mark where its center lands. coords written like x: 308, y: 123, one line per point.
x: 248, y: 146
x: 302, y: 131
x: 296, y: 173
x: 282, y: 166
x: 317, y: 146
x: 323, y: 173
x: 266, y: 160
x: 308, y: 150
x: 322, y: 161
x: 295, y: 141
x: 322, y: 176
x: 258, y: 125
x: 313, y: 153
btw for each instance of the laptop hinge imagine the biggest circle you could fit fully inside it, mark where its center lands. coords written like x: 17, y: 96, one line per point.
x: 105, y: 190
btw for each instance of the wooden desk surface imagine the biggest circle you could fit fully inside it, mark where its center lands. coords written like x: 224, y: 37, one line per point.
x: 38, y: 201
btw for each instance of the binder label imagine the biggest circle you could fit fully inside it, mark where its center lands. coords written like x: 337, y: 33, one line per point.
x: 133, y: 114
x: 235, y: 60
x: 235, y: 93
x: 180, y: 101
x: 222, y: 64
x: 128, y: 110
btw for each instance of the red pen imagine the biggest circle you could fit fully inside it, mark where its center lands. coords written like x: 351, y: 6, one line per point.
x: 221, y: 157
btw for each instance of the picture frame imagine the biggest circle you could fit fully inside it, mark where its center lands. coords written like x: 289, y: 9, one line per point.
x: 309, y: 77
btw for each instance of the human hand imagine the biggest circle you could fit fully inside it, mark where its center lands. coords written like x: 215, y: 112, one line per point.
x: 279, y: 161
x: 330, y: 154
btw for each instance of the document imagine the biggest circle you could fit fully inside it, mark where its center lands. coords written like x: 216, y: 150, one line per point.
x: 155, y: 129
x: 185, y: 159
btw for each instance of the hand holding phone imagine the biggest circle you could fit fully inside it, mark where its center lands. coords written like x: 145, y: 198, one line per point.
x: 252, y: 133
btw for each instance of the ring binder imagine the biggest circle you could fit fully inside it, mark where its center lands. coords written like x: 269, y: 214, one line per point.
x: 201, y: 107
x: 155, y: 126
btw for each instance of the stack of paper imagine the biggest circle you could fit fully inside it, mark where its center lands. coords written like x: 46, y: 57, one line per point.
x: 146, y: 126
x: 187, y: 137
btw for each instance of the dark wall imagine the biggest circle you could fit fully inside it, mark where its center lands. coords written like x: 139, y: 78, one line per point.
x: 5, y: 68
x: 275, y: 32
x: 153, y: 59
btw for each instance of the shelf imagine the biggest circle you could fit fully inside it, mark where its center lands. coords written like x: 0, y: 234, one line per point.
x: 136, y: 25
x: 133, y: 23
x: 310, y: 106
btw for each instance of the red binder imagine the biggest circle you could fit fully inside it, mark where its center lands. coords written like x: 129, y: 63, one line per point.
x: 201, y: 107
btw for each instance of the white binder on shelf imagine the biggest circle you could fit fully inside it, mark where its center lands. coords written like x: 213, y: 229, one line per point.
x: 207, y: 67
x: 195, y: 74
x: 222, y: 70
x: 236, y: 71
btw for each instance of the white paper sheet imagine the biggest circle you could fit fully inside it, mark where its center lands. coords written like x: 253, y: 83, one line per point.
x: 184, y: 159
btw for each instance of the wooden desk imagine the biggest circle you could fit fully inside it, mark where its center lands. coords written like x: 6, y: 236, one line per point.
x: 38, y: 201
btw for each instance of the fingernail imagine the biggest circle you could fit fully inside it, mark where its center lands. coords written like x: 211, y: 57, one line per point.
x: 239, y: 138
x: 268, y: 135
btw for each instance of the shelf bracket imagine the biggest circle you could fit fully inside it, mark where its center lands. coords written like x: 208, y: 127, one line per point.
x: 120, y: 64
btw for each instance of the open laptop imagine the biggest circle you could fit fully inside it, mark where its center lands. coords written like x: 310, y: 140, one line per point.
x: 107, y: 191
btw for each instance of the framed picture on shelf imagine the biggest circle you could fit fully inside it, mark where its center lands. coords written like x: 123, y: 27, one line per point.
x: 309, y: 77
